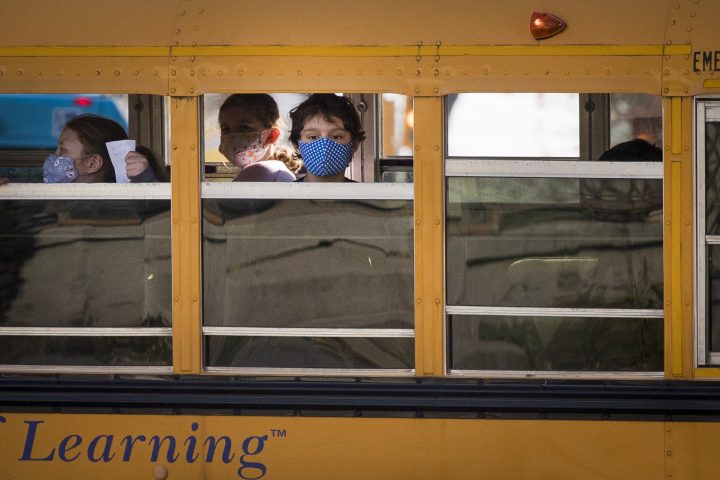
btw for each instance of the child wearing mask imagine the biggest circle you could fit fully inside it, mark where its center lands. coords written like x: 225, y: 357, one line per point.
x: 249, y: 131
x: 326, y: 132
x: 82, y: 156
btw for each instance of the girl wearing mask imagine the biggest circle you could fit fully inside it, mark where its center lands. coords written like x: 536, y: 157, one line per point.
x: 326, y: 132
x: 249, y: 131
x: 82, y: 156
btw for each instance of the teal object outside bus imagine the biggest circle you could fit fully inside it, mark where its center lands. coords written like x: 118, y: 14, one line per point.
x: 34, y: 121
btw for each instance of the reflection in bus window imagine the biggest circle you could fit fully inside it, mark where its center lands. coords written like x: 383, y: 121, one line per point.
x: 96, y: 265
x: 558, y: 244
x: 331, y: 280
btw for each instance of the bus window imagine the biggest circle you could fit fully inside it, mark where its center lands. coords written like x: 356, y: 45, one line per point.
x: 556, y: 266
x: 308, y: 277
x: 635, y: 115
x: 96, y: 255
x: 99, y: 263
x: 30, y: 125
x: 708, y: 232
x: 513, y: 125
x: 396, y: 119
x: 549, y: 125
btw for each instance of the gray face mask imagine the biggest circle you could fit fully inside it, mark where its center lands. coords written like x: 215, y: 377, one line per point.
x: 59, y: 169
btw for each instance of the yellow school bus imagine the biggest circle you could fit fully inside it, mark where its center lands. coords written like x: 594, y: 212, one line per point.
x: 499, y: 293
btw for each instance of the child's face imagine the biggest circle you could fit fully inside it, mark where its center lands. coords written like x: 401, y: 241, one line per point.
x: 320, y: 127
x: 237, y: 120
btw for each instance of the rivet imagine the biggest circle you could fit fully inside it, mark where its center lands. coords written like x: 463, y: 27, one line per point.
x: 338, y: 73
x: 666, y: 71
x: 686, y: 148
x: 692, y: 14
x: 177, y: 299
x: 668, y: 453
x: 687, y: 303
x: 417, y: 91
x: 194, y: 221
x: 486, y: 71
x: 627, y: 71
x: 436, y: 90
x: 417, y: 147
x: 399, y: 71
x: 673, y: 22
x: 666, y: 90
x: 669, y: 42
x: 192, y: 147
x: 182, y: 12
x: 608, y: 71
x: 437, y: 301
x: 689, y: 29
x: 419, y: 300
x: 2, y: 73
x: 299, y: 73
x: 418, y: 222
x: 241, y: 72
x: 176, y: 43
x: 97, y: 73
x: 686, y: 90
x: 155, y: 73
x: 260, y: 72
x: 192, y: 73
x: 378, y: 72
x: 417, y: 72
x: 359, y: 73
x: 677, y: 7
x: 436, y: 72
x: 136, y: 72
x: 436, y: 147
x: 177, y: 31
x: 174, y: 59
x: 506, y: 72
x: 587, y: 72
x: 160, y: 472
x: 192, y: 90
x: 174, y: 147
x: 437, y: 222
x: 173, y: 90
x: 195, y: 299
x: 219, y: 73
x: 117, y: 73
x: 667, y: 147
x: 464, y: 72
x: 173, y: 72
x: 200, y: 11
x: 192, y: 59
x: 668, y: 223
x: 195, y: 27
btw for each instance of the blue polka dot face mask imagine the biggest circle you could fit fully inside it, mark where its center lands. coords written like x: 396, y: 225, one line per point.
x: 59, y: 169
x: 324, y: 157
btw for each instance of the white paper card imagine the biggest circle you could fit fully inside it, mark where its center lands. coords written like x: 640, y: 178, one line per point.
x: 118, y: 151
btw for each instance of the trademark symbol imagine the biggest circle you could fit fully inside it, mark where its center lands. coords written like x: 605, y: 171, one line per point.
x: 278, y: 432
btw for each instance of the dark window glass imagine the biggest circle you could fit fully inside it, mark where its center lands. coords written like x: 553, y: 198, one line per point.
x: 714, y: 294
x: 85, y: 263
x: 562, y: 242
x: 309, y: 264
x: 310, y: 352
x: 86, y: 351
x: 558, y: 344
x: 712, y: 178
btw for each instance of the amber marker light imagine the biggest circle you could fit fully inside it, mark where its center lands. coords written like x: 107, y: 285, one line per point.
x: 545, y: 25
